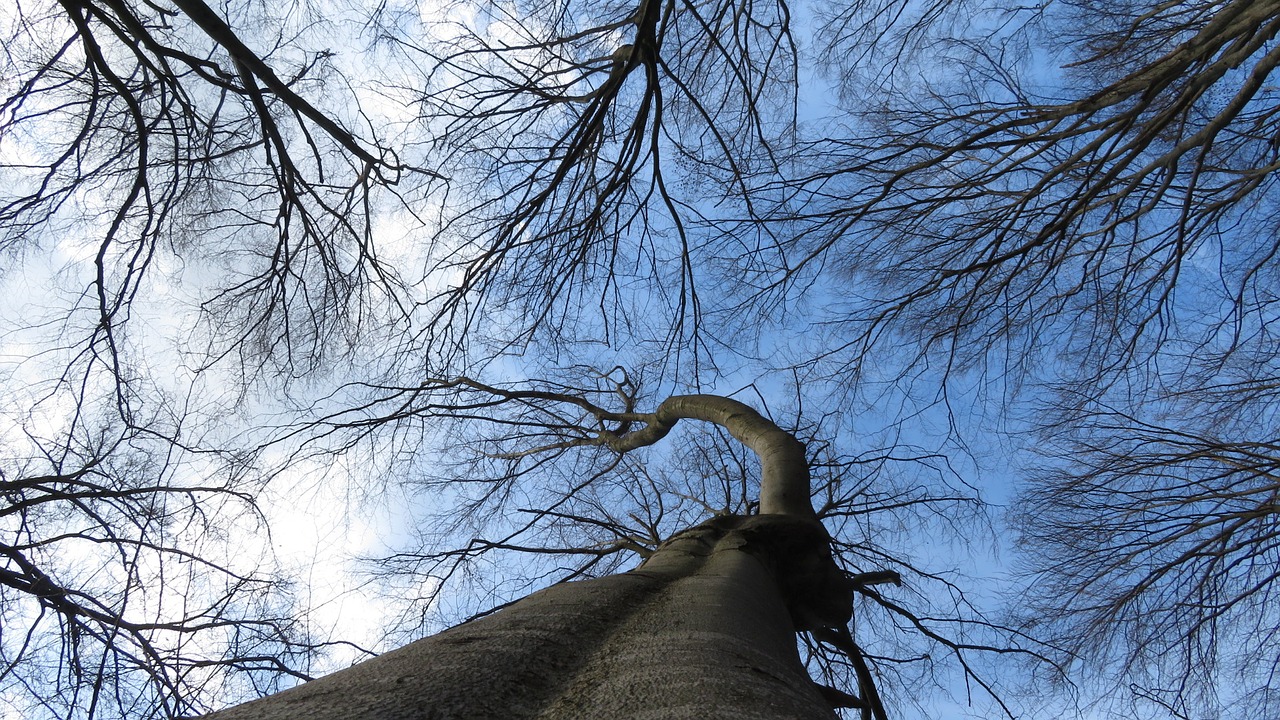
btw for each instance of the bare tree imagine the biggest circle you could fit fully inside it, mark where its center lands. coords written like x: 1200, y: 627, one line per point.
x: 969, y: 223
x: 158, y: 131
x: 1166, y: 533
x: 129, y: 584
x: 587, y: 144
x: 547, y: 485
x: 142, y: 140
x: 1077, y: 217
x: 557, y: 652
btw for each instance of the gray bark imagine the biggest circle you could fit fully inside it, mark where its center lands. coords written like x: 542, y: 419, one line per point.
x: 784, y: 470
x: 703, y: 629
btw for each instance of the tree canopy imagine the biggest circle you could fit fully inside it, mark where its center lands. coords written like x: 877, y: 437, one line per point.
x: 996, y: 265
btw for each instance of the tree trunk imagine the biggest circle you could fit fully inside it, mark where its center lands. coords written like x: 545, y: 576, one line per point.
x: 705, y: 628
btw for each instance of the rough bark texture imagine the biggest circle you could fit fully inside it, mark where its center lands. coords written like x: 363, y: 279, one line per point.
x: 704, y: 629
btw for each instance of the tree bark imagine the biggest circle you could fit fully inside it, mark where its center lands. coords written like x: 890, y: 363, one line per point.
x: 784, y: 470
x: 705, y: 628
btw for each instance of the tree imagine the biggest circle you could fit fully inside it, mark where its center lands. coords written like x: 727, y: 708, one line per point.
x: 546, y: 470
x: 156, y: 133
x: 1096, y: 241
x: 192, y: 163
x: 78, y: 618
x: 588, y: 143
x: 704, y: 626
x: 1165, y: 532
x: 1068, y: 243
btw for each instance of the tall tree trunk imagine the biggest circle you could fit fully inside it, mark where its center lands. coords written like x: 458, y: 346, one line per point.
x: 705, y: 628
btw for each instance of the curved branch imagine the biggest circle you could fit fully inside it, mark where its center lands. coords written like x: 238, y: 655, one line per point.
x: 784, y: 471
